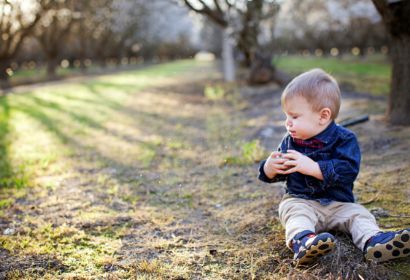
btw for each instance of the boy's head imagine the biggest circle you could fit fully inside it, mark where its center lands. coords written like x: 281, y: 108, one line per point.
x: 310, y: 101
x: 318, y: 88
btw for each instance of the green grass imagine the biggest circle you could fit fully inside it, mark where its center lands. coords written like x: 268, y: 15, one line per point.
x: 370, y: 74
x: 41, y: 126
x: 251, y: 152
x: 21, y: 76
x: 48, y: 132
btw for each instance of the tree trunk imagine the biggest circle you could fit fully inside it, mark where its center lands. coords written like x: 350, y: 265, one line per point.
x: 52, y: 63
x: 263, y: 72
x: 4, y: 77
x: 227, y: 56
x: 395, y: 15
x: 399, y: 100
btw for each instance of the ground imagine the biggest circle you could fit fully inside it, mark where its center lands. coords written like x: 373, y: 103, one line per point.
x: 151, y: 174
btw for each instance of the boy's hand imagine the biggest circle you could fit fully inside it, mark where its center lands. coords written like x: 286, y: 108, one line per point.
x: 298, y: 162
x: 274, y: 165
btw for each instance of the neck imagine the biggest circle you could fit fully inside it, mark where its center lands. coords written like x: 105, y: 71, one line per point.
x: 324, y: 126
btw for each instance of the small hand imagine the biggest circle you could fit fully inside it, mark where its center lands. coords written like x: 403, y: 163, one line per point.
x: 300, y: 163
x: 274, y: 164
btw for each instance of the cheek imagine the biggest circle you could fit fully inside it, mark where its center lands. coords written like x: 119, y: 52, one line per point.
x: 296, y: 123
x: 301, y: 125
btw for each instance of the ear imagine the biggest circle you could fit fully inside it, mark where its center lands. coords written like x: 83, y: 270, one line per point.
x: 325, y: 115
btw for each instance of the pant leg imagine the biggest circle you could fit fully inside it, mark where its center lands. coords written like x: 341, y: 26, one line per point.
x: 352, y: 218
x: 296, y: 215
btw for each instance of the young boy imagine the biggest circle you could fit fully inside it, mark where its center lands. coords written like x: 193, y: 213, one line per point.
x: 319, y: 160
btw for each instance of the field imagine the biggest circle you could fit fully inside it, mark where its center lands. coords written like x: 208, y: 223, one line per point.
x: 151, y: 174
x: 367, y: 75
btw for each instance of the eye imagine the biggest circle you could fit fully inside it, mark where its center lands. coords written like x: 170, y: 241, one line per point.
x: 295, y: 117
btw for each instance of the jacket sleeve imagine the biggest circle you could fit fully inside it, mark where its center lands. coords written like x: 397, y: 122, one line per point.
x: 344, y: 166
x: 278, y: 178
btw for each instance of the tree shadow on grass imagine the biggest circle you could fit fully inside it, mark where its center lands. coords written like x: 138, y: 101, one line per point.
x: 47, y: 114
x: 5, y: 168
x: 9, y: 178
x: 36, y: 107
x: 56, y: 107
x: 150, y: 122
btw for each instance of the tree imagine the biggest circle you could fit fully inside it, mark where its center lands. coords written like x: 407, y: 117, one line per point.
x: 121, y: 27
x: 219, y: 16
x: 395, y: 15
x: 82, y: 29
x: 250, y: 20
x: 241, y: 21
x: 324, y: 24
x: 52, y: 32
x: 106, y: 29
x: 17, y: 21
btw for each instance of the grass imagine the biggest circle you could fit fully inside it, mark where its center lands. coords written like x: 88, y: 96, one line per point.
x: 55, y: 115
x: 150, y: 174
x: 39, y: 74
x: 251, y: 152
x: 48, y: 134
x: 370, y: 74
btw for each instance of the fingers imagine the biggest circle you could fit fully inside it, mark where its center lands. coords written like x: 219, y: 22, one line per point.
x: 276, y: 154
x: 290, y: 170
x: 282, y: 162
x: 280, y: 166
x: 291, y: 156
x: 290, y: 163
x: 277, y: 160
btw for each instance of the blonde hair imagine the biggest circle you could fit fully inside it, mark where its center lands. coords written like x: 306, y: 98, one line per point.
x: 319, y: 89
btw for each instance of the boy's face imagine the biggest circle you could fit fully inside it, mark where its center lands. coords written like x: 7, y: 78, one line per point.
x: 301, y: 121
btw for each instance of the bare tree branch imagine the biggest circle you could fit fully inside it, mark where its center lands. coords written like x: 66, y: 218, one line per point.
x: 188, y: 3
x: 381, y: 6
x: 218, y: 6
x: 228, y: 4
x: 213, y: 14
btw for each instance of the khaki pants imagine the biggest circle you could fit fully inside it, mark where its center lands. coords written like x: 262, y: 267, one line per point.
x: 297, y: 214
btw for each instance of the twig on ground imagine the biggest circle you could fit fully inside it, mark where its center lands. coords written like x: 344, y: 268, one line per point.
x: 371, y: 200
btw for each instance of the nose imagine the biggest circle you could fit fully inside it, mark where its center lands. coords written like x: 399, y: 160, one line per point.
x: 288, y: 122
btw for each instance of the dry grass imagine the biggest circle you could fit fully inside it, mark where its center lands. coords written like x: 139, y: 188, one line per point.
x: 146, y: 176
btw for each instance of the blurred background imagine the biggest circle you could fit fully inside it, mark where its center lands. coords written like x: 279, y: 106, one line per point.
x: 43, y: 39
x: 258, y: 41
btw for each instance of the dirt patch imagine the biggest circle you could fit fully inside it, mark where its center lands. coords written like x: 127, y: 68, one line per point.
x: 25, y: 266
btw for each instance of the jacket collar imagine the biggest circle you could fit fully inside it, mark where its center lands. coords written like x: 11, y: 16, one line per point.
x: 328, y: 134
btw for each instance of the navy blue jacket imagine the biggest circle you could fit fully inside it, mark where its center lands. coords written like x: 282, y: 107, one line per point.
x: 337, y: 152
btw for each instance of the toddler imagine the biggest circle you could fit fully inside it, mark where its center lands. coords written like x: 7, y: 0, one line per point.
x: 319, y: 160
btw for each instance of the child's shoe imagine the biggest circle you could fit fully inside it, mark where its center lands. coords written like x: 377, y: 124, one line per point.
x: 308, y: 246
x: 388, y: 245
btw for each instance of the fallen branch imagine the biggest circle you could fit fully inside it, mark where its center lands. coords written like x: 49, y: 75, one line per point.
x: 371, y: 200
x: 354, y: 121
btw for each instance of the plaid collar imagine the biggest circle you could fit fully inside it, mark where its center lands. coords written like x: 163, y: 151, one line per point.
x: 319, y: 140
x: 311, y: 143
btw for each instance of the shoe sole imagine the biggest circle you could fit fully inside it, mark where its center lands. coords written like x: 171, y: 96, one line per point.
x: 322, y: 248
x: 398, y: 247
